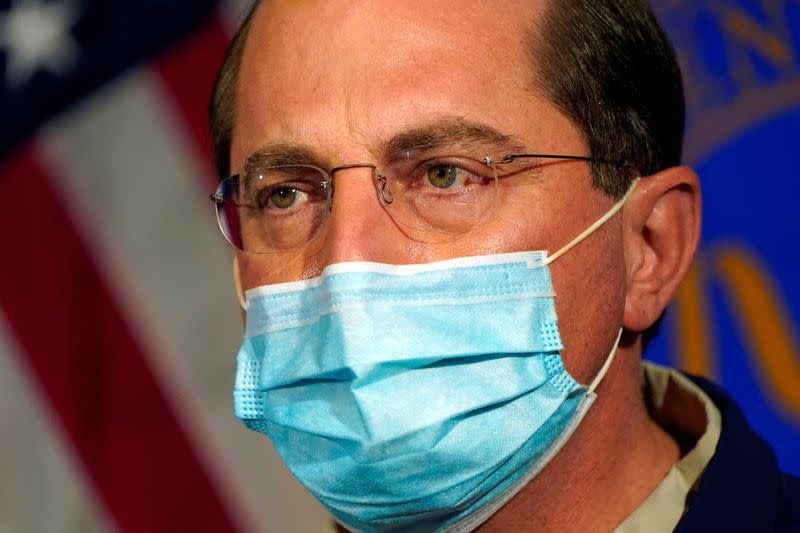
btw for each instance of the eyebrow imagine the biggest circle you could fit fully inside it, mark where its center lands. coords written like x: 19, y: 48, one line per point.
x: 455, y: 132
x: 451, y: 132
x: 277, y: 155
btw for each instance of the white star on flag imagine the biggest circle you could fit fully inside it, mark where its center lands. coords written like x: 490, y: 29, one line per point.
x: 35, y: 36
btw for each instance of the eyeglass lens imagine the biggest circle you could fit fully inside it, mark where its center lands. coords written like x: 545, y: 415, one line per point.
x: 432, y: 196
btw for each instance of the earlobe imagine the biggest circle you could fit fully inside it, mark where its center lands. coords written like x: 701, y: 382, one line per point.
x: 662, y: 232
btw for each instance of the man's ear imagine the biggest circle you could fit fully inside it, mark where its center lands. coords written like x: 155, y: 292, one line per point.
x: 661, y: 235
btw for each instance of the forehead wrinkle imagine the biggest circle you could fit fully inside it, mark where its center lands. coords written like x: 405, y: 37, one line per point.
x: 455, y: 132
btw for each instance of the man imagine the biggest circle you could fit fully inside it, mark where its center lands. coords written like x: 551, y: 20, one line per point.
x: 398, y: 167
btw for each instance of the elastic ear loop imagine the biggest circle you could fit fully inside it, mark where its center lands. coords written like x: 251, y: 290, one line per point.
x: 237, y: 284
x: 600, y: 375
x: 591, y: 229
x: 574, y: 242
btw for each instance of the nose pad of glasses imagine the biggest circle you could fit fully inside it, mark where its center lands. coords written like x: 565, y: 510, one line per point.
x: 358, y: 227
x: 385, y: 195
x: 380, y: 179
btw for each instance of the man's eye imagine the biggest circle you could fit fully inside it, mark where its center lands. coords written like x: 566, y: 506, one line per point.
x: 447, y: 176
x: 285, y: 197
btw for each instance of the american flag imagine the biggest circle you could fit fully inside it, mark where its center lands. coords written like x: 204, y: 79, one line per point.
x: 118, y: 321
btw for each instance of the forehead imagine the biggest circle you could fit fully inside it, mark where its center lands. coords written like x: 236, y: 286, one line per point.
x: 341, y: 73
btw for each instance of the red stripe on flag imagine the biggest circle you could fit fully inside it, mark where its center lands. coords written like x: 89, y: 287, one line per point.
x: 91, y: 369
x: 187, y: 73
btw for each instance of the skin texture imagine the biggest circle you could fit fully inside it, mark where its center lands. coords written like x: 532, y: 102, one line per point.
x: 344, y: 76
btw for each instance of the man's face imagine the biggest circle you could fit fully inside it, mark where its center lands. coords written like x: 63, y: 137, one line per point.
x: 343, y: 77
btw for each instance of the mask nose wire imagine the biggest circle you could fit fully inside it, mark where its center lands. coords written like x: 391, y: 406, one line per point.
x: 591, y: 229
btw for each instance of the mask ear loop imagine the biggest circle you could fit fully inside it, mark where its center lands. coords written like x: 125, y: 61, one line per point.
x: 600, y: 375
x: 591, y: 229
x: 577, y: 240
x: 237, y: 284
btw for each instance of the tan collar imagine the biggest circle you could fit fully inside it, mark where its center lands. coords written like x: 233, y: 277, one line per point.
x: 687, y: 413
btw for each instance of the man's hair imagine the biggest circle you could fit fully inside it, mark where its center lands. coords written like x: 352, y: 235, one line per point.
x: 610, y: 67
x: 607, y: 64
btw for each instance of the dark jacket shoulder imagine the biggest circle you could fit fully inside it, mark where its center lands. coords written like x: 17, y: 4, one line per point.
x: 743, y: 488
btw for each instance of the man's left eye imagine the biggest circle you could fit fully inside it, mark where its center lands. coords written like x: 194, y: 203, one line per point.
x: 447, y: 176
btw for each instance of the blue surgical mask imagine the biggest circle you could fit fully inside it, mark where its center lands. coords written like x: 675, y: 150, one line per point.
x: 413, y: 397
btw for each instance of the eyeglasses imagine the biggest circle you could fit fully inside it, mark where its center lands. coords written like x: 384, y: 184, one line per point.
x: 431, y: 195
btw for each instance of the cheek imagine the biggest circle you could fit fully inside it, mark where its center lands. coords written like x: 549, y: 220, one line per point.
x: 590, y: 299
x: 266, y: 270
x: 248, y: 270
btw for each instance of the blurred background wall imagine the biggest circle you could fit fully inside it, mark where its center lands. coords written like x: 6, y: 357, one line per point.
x: 118, y: 323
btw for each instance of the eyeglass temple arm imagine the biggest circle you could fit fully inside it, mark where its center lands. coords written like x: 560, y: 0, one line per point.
x: 511, y: 157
